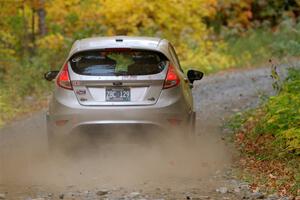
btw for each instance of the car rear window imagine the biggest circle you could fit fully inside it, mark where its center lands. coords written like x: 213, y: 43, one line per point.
x: 115, y: 62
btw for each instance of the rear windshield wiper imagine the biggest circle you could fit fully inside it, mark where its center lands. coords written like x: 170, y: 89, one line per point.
x: 120, y: 73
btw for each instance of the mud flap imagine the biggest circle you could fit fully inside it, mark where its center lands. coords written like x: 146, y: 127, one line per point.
x: 193, y: 124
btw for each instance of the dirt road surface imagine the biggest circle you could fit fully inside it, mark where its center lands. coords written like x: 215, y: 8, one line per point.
x: 176, y: 171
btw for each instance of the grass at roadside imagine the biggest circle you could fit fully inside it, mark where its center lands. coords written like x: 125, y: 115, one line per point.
x: 269, y: 140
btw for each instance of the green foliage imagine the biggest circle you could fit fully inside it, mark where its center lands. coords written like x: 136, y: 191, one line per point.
x: 269, y: 139
x: 280, y: 118
x: 241, y: 15
x: 6, y: 111
x: 236, y: 122
x: 259, y: 45
x: 250, y: 49
x: 24, y: 80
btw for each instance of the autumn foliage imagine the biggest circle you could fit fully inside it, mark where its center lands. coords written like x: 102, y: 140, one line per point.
x: 36, y: 35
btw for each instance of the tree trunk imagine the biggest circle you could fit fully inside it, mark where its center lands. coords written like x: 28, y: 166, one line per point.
x: 33, y: 27
x: 42, y: 18
x: 24, y: 40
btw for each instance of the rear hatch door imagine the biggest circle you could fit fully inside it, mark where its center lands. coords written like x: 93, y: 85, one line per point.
x: 118, y: 76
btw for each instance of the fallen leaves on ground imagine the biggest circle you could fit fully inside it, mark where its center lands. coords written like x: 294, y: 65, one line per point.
x: 263, y: 172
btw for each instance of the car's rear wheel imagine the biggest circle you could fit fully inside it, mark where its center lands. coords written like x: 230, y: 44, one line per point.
x: 191, y: 138
x: 55, y: 144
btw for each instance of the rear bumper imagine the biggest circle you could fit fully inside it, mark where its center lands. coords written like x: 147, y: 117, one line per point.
x: 64, y: 120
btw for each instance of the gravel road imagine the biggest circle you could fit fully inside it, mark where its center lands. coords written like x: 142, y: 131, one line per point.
x: 201, y: 171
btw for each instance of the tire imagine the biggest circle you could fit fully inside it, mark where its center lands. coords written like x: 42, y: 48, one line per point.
x: 192, y: 136
x: 57, y: 144
x: 54, y: 144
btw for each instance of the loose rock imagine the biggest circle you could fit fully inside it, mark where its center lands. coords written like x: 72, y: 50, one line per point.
x: 202, y: 197
x: 61, y: 196
x: 244, y: 187
x: 102, y: 192
x: 273, y: 197
x: 237, y: 190
x: 285, y: 198
x: 222, y: 190
x: 2, y: 196
x: 257, y: 195
x: 134, y: 194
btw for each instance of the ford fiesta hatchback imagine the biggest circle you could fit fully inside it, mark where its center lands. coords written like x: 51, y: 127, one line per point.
x: 120, y: 83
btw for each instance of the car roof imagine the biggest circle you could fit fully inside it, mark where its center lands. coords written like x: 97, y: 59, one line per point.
x: 148, y: 43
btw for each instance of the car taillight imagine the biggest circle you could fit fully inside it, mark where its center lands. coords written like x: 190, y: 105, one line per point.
x: 172, y: 78
x: 63, y: 79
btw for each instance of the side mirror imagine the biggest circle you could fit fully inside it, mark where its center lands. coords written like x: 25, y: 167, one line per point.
x: 49, y: 76
x: 194, y: 75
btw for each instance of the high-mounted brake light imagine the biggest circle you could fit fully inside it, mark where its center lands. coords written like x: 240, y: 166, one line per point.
x: 172, y: 78
x: 63, y: 79
x: 117, y: 49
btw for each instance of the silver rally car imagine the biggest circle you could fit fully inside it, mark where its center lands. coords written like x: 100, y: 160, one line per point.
x: 120, y: 83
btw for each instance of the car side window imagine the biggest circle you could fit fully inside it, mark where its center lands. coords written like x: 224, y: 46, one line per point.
x: 175, y: 57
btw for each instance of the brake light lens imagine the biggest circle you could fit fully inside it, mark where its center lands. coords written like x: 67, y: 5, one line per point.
x: 63, y: 79
x: 172, y: 78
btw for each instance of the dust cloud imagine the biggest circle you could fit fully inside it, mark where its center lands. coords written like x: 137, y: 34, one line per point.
x: 171, y: 162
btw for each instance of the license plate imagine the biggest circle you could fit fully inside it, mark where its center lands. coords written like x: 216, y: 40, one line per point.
x: 117, y: 94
